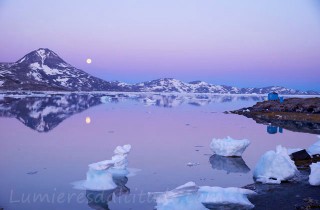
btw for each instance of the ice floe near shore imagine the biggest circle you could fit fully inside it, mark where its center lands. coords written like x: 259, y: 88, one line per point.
x: 190, y: 196
x: 275, y: 166
x: 314, y: 177
x: 314, y: 149
x: 228, y: 146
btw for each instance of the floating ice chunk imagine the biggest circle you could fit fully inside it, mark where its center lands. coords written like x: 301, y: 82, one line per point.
x: 118, y: 163
x: 314, y: 149
x: 100, y: 175
x: 183, y: 190
x: 96, y: 180
x: 122, y: 150
x: 190, y: 164
x: 218, y: 196
x: 274, y: 167
x: 229, y: 146
x: 102, y: 165
x: 314, y: 177
x: 189, y: 197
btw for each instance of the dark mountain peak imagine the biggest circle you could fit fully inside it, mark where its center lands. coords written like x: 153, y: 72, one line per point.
x: 166, y: 79
x: 195, y: 82
x: 198, y: 82
x: 42, y: 56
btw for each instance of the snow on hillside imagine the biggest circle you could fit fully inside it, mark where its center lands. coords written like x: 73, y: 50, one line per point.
x: 43, y: 69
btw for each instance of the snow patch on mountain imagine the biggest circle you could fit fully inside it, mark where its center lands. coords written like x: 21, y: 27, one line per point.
x: 43, y: 69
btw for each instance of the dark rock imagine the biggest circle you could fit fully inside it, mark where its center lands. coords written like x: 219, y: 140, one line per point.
x: 285, y: 196
x: 300, y: 155
x: 308, y: 203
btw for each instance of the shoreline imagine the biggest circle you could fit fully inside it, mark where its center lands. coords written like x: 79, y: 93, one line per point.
x: 295, y: 114
x: 153, y: 93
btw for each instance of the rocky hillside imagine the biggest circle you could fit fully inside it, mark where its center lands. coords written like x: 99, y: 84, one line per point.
x: 45, y: 70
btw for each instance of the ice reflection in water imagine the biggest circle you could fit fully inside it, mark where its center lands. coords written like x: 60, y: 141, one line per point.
x: 229, y: 164
x: 99, y: 199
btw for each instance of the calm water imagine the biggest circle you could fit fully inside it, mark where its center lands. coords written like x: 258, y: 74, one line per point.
x: 47, y: 142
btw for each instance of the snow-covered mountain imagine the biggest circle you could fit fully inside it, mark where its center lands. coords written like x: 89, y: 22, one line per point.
x: 43, y: 69
x: 173, y: 85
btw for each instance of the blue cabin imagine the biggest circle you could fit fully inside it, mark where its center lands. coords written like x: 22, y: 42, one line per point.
x: 273, y: 96
x: 280, y: 130
x: 281, y: 99
x: 272, y: 129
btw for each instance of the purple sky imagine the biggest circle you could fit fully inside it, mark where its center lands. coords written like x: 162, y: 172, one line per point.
x: 243, y: 43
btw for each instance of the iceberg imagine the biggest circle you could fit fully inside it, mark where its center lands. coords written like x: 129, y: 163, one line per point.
x: 97, y: 181
x: 118, y: 163
x: 274, y: 167
x: 101, y: 176
x: 190, y: 196
x: 314, y: 177
x: 314, y: 149
x: 218, y: 197
x: 228, y: 146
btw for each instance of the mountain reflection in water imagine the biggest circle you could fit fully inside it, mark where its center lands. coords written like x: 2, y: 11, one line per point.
x: 43, y: 112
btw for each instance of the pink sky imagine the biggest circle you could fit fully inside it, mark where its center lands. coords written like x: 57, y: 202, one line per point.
x: 248, y: 43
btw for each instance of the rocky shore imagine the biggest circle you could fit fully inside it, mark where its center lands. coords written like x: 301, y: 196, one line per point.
x: 287, y: 196
x: 295, y: 114
x: 294, y: 194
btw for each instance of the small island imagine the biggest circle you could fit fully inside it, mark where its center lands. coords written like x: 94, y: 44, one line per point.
x: 295, y: 114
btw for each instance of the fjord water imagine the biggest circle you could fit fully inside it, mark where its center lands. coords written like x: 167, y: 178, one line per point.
x: 44, y: 158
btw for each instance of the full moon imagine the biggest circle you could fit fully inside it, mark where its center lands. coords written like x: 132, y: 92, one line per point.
x: 89, y: 61
x: 88, y: 120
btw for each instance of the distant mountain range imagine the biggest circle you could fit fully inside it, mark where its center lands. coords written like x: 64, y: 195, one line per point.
x: 44, y: 70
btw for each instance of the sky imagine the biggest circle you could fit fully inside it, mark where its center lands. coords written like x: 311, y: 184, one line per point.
x: 245, y: 43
